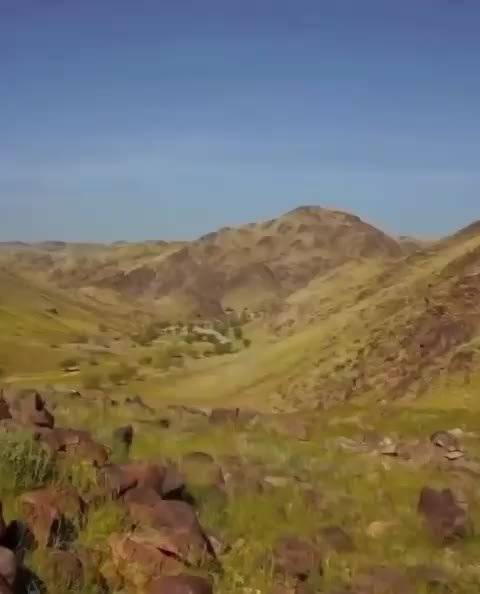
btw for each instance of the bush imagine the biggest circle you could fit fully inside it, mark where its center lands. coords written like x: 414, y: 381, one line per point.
x: 24, y: 463
x: 92, y: 381
x: 247, y: 343
x: 123, y: 373
x: 146, y: 360
x: 238, y: 332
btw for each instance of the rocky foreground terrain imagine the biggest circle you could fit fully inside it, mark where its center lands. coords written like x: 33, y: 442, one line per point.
x: 193, y: 501
x: 286, y: 407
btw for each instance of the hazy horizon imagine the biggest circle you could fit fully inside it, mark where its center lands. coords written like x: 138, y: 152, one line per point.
x: 167, y: 120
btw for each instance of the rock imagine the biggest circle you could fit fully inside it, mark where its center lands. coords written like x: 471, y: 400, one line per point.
x: 277, y: 482
x: 3, y: 526
x: 142, y: 496
x: 379, y: 528
x: 117, y: 479
x: 52, y: 513
x: 454, y: 455
x: 123, y: 436
x: 219, y: 416
x: 31, y: 410
x: 180, y: 584
x: 141, y: 556
x: 387, y: 447
x: 70, y: 442
x: 8, y: 566
x: 382, y: 580
x: 446, y: 520
x: 65, y: 569
x: 445, y: 440
x: 201, y: 470
x: 296, y: 558
x: 5, y: 588
x: 337, y: 539
x: 4, y: 407
x: 178, y: 524
x: 349, y: 445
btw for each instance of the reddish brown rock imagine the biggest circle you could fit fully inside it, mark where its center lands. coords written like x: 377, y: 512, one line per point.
x: 382, y: 580
x: 297, y: 558
x: 446, y: 520
x: 65, y: 569
x: 50, y: 512
x: 118, y: 479
x: 337, y: 539
x: 71, y: 442
x: 178, y: 523
x: 8, y: 566
x: 31, y: 409
x: 180, y: 584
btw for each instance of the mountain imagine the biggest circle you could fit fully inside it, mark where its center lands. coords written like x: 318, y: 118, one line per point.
x: 347, y: 312
x: 255, y: 266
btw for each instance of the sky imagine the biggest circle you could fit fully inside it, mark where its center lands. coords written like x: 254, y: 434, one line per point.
x: 166, y: 119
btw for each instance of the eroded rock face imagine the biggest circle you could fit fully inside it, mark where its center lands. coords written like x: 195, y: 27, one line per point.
x: 446, y: 520
x: 180, y: 584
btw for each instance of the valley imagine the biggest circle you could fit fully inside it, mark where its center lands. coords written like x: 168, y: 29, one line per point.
x: 287, y: 407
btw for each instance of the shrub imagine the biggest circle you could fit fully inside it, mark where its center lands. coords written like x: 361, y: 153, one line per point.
x: 122, y: 374
x: 24, y: 463
x: 92, y: 381
x: 247, y: 342
x: 146, y: 360
x: 238, y: 332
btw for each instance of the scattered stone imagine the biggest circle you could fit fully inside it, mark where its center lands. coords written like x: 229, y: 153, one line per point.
x: 30, y: 409
x: 201, y: 470
x: 70, y: 442
x: 65, y: 569
x: 180, y: 584
x: 454, y: 455
x: 379, y: 528
x: 446, y: 520
x: 117, y: 479
x: 337, y: 539
x: 296, y: 558
x: 382, y: 580
x: 124, y: 436
x: 445, y: 440
x: 52, y: 513
x: 387, y: 447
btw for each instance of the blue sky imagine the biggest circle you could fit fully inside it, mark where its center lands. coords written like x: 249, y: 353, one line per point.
x: 131, y: 119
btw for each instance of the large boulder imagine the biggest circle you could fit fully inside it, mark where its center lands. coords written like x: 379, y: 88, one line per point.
x: 180, y: 584
x: 144, y: 555
x: 200, y: 470
x: 446, y: 520
x: 29, y: 408
x: 117, y: 479
x: 79, y: 444
x: 178, y: 525
x: 52, y: 513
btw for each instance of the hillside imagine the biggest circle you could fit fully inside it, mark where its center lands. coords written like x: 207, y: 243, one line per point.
x: 256, y: 266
